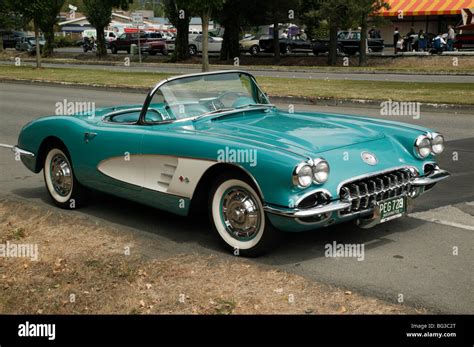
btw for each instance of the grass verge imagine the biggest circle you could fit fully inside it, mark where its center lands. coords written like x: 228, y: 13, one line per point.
x: 83, y: 267
x: 439, y: 93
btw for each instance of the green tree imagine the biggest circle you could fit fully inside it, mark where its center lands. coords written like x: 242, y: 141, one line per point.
x: 179, y: 14
x: 205, y: 9
x: 337, y: 13
x: 30, y: 10
x: 47, y: 21
x: 363, y: 10
x: 230, y: 18
x: 99, y: 14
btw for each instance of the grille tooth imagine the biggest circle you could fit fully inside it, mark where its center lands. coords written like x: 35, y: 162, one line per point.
x: 365, y: 193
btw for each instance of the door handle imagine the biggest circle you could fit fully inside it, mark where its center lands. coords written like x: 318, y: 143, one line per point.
x: 89, y: 136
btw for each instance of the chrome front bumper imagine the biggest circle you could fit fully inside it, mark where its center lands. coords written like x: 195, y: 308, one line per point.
x: 434, y: 177
x: 310, y: 212
x: 18, y: 150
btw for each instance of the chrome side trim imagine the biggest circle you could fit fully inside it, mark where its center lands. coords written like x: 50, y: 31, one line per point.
x: 296, y: 213
x: 434, y: 177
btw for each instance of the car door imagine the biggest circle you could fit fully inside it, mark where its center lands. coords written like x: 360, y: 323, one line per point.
x: 198, y: 43
x: 109, y: 151
x: 214, y: 45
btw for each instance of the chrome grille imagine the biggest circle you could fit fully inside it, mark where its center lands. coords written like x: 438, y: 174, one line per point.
x: 366, y: 192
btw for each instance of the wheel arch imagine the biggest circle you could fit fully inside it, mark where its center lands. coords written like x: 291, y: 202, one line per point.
x: 42, y: 151
x: 201, y: 193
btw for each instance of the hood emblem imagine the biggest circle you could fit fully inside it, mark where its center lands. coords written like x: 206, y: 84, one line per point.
x: 369, y: 158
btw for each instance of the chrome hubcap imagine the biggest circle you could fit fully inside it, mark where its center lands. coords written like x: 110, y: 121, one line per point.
x: 61, y: 175
x: 240, y: 214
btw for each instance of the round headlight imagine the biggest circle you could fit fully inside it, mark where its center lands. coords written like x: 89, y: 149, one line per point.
x: 320, y: 171
x: 303, y: 175
x: 422, y: 146
x: 437, y: 144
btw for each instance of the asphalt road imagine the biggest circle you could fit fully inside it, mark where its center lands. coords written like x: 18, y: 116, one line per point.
x: 410, y: 256
x: 195, y: 68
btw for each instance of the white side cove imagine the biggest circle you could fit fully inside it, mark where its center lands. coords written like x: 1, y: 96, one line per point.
x: 166, y: 174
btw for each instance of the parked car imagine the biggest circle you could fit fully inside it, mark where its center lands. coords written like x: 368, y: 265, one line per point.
x: 213, y: 141
x: 11, y: 38
x: 251, y: 44
x: 124, y: 41
x: 287, y: 45
x: 154, y: 47
x: 348, y: 42
x: 28, y: 44
x: 195, y: 44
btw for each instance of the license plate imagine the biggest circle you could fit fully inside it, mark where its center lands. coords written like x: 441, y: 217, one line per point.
x: 392, y: 209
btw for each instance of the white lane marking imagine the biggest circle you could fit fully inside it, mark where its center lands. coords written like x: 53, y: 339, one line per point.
x: 447, y: 215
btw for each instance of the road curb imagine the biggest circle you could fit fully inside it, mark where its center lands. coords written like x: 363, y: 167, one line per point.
x: 315, y: 69
x: 318, y: 101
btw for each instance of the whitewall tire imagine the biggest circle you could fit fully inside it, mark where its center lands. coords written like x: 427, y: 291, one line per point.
x: 237, y: 215
x: 59, y: 179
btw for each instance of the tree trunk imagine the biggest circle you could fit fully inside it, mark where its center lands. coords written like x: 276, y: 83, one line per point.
x: 100, y: 39
x: 332, y: 58
x: 205, y: 41
x: 49, y: 46
x: 363, y: 43
x: 38, y: 48
x: 181, y: 49
x: 1, y: 43
x: 230, y: 45
x: 276, y: 42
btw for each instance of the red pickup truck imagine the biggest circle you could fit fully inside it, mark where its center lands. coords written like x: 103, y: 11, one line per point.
x: 124, y: 41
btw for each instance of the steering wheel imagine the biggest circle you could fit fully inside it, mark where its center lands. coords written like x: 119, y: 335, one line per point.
x: 216, y: 103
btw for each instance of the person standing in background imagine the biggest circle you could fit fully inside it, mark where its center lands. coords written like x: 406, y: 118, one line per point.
x: 451, y: 38
x: 396, y: 38
x: 421, y: 41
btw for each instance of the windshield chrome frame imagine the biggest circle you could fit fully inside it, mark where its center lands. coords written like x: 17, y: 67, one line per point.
x: 152, y: 92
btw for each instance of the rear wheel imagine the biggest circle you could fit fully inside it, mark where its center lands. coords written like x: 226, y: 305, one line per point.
x: 237, y: 215
x: 113, y: 49
x: 60, y: 181
x: 192, y: 50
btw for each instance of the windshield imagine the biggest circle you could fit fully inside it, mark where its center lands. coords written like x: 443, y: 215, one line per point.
x: 199, y: 95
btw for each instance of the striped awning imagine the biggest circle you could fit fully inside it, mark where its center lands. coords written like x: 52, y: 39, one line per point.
x: 426, y: 7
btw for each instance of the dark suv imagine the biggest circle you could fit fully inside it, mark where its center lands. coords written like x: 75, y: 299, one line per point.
x: 11, y: 37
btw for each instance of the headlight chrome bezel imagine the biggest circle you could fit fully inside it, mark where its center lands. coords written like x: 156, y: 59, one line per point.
x: 310, y: 167
x: 316, y: 162
x: 435, y: 136
x: 417, y: 148
x: 296, y: 175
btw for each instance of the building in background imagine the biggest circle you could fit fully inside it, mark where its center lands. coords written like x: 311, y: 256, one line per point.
x: 432, y: 16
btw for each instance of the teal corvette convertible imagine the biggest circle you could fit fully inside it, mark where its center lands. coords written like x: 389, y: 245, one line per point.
x: 213, y: 143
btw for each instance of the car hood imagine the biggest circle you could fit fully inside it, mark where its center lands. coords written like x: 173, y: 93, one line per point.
x: 304, y: 134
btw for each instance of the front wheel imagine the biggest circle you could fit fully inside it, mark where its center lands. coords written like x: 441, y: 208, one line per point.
x: 60, y: 181
x: 254, y: 50
x: 237, y: 215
